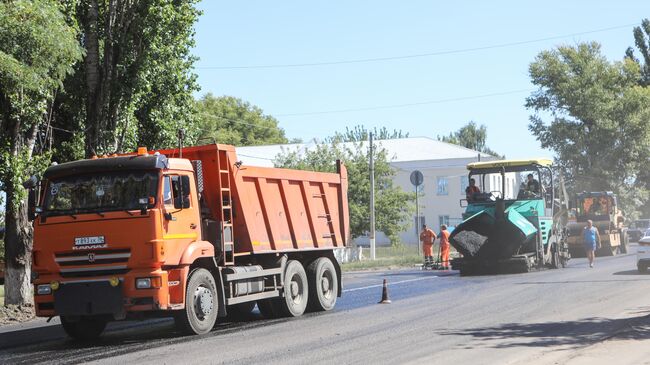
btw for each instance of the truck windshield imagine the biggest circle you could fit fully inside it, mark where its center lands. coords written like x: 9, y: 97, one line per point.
x: 594, y: 206
x: 100, y: 193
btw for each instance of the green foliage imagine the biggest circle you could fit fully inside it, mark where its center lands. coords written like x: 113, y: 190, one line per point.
x: 360, y: 133
x: 599, y: 120
x: 642, y: 43
x: 230, y: 120
x: 470, y: 136
x: 37, y: 50
x: 393, y: 206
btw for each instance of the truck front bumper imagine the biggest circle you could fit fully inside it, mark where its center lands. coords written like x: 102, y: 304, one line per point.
x: 114, y: 295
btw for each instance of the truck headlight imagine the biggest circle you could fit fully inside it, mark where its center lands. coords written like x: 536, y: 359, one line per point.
x: 143, y: 283
x: 44, y: 289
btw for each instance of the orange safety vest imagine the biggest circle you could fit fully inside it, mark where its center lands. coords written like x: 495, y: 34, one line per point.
x: 444, y: 238
x: 428, y: 236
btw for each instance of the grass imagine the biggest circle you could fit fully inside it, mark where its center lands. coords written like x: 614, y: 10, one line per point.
x: 404, y: 256
x: 2, y: 295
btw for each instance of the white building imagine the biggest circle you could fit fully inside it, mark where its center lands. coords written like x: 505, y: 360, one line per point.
x: 442, y: 164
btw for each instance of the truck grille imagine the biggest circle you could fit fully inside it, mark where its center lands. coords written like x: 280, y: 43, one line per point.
x: 93, y: 263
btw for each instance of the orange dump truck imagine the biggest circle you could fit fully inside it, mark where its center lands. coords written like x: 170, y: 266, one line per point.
x: 190, y: 233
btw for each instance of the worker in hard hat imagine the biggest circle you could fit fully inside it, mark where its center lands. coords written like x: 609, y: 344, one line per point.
x: 444, y: 247
x: 427, y: 237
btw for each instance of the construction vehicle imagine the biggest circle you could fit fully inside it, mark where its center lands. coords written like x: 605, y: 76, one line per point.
x: 504, y: 232
x: 190, y: 233
x: 602, y: 209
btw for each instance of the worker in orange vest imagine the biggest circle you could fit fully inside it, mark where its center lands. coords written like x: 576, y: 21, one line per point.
x: 444, y: 247
x: 427, y: 237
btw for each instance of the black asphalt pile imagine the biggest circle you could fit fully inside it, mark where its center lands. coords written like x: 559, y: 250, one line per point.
x: 468, y: 243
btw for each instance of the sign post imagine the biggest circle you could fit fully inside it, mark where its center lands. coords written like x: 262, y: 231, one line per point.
x: 417, y: 179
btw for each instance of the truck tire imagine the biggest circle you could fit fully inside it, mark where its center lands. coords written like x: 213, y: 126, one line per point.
x: 642, y: 268
x: 296, y: 290
x: 201, y: 304
x: 625, y: 239
x: 86, y: 328
x: 323, y: 285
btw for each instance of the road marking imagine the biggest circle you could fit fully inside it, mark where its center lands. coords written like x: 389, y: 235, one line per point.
x: 393, y: 283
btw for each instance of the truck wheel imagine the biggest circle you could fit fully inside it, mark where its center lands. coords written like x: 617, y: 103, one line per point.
x: 86, y: 328
x: 323, y: 285
x: 642, y: 268
x: 625, y: 239
x: 296, y: 290
x: 201, y: 304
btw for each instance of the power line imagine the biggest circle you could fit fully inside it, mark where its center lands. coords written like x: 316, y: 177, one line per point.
x: 393, y: 106
x: 418, y: 55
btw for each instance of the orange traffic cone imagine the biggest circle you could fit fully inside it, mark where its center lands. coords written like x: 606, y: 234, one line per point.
x: 384, y: 294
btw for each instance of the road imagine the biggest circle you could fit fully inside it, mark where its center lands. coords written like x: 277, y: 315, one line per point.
x: 554, y: 316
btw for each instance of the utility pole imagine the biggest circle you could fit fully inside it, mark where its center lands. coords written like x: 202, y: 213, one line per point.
x: 372, y: 200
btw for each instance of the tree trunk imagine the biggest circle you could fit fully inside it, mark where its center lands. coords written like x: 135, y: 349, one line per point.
x: 18, y: 248
x: 91, y: 63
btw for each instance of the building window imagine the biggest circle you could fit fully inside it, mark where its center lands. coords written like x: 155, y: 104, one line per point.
x: 464, y: 183
x: 443, y: 186
x: 443, y: 219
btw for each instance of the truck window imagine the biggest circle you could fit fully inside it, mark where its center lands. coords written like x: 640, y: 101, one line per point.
x: 167, y: 191
x: 180, y: 202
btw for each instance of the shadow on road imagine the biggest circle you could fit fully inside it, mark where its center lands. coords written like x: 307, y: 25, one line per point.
x: 570, y: 333
x: 631, y: 272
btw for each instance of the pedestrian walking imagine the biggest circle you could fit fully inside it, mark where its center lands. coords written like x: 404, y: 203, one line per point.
x: 427, y: 236
x: 444, y: 247
x: 591, y: 241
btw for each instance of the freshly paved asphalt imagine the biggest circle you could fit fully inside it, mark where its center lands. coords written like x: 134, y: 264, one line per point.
x: 539, y: 317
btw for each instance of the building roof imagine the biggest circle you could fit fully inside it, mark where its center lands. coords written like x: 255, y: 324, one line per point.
x: 399, y: 150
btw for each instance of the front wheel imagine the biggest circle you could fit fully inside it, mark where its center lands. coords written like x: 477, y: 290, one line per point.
x: 201, y: 304
x: 85, y: 328
x: 642, y: 268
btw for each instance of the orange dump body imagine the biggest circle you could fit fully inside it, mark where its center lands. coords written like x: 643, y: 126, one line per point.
x: 273, y: 209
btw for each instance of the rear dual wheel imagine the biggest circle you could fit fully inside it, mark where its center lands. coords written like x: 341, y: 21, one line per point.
x: 295, y: 294
x: 323, y: 285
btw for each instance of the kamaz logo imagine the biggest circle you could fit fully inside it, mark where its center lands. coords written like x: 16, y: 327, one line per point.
x: 91, y: 257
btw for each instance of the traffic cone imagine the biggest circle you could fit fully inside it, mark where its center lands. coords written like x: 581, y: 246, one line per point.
x: 384, y: 294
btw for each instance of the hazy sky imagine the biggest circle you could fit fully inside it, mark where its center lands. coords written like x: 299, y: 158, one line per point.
x: 472, y: 64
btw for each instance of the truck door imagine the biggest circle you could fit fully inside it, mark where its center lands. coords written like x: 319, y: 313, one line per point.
x: 180, y: 208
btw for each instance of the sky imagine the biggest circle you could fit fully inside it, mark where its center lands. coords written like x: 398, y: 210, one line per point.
x: 470, y: 61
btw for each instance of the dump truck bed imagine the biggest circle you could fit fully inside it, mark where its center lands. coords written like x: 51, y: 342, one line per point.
x: 273, y: 209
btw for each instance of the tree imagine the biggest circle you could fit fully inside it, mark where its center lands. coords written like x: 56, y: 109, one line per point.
x: 230, y: 120
x: 599, y: 119
x: 37, y: 51
x: 470, y: 136
x: 642, y: 42
x: 394, y: 207
x: 360, y: 133
x: 135, y: 85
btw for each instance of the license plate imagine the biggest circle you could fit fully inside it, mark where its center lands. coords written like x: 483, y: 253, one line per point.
x: 94, y: 240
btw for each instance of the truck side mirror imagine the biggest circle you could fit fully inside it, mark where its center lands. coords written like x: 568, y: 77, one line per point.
x: 32, y: 209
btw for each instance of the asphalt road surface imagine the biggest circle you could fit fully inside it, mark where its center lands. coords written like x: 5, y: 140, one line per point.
x: 551, y: 316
